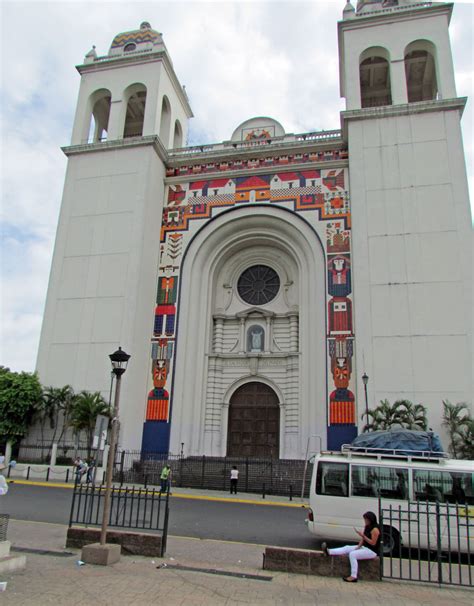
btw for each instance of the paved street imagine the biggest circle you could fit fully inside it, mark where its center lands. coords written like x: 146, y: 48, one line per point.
x: 192, y: 517
x: 136, y: 581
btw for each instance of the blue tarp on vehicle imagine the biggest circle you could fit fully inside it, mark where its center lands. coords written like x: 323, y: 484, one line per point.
x: 406, y: 440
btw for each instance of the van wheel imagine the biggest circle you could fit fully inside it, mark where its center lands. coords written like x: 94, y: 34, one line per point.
x: 391, y: 541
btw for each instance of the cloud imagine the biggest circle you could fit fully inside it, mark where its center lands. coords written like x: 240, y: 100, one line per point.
x: 237, y: 60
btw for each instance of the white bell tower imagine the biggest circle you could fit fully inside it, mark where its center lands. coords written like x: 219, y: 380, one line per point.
x: 412, y: 255
x: 131, y: 109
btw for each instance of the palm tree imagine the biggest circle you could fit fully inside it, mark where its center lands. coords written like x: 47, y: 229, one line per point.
x: 385, y: 416
x: 65, y: 402
x: 456, y: 418
x: 44, y: 412
x: 467, y: 444
x: 413, y: 416
x: 87, y: 406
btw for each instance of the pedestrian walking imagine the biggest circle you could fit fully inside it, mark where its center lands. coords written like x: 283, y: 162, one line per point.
x: 366, y: 549
x: 81, y: 469
x: 234, y: 478
x: 90, y: 471
x: 165, y: 478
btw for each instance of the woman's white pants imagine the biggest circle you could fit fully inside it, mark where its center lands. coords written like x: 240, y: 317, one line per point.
x: 354, y: 553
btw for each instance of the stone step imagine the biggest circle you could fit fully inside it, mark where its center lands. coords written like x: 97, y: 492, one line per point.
x: 306, y: 561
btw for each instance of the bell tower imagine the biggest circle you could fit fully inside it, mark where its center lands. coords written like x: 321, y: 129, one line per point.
x: 412, y: 256
x: 131, y: 109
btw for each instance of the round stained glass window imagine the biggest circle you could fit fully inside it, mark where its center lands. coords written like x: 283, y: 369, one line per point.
x: 258, y: 285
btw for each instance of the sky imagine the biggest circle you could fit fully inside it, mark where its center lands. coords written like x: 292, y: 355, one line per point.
x: 236, y: 59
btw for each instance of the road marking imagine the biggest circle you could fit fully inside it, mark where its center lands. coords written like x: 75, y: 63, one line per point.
x: 174, y: 495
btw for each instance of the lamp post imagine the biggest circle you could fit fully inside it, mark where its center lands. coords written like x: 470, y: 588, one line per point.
x: 119, y: 361
x: 365, y: 379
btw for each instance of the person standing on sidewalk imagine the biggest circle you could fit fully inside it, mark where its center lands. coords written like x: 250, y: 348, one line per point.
x: 165, y: 478
x: 234, y: 478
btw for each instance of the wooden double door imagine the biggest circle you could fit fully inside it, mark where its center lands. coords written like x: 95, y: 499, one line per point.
x: 254, y: 422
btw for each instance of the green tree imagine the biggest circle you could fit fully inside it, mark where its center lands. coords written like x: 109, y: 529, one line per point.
x: 86, y: 407
x: 413, y: 416
x: 20, y: 396
x: 401, y: 413
x: 456, y: 419
x: 63, y: 402
x: 56, y: 410
x: 384, y: 416
x: 43, y: 415
x: 466, y: 450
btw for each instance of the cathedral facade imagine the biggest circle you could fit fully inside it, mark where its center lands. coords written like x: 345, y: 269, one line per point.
x: 256, y: 281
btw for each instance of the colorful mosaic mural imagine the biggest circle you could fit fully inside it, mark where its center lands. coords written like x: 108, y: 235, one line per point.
x: 322, y: 196
x: 282, y: 161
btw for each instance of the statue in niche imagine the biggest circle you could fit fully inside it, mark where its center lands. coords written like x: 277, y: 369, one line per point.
x: 255, y: 339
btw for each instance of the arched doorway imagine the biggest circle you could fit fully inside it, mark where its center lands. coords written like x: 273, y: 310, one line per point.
x: 254, y: 422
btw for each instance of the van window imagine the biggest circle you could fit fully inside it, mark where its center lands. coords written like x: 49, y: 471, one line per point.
x: 333, y: 479
x: 443, y: 486
x: 386, y: 482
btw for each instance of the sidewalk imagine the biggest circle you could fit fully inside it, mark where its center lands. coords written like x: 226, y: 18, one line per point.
x: 58, y: 580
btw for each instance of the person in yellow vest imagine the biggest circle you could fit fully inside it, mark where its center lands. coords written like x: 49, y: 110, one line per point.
x: 165, y: 478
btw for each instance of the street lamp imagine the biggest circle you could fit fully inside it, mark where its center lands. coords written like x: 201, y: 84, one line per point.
x: 365, y: 379
x: 119, y: 361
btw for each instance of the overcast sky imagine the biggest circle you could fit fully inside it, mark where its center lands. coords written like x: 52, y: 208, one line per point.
x: 237, y: 60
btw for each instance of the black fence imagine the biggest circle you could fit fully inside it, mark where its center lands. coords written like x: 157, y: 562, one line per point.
x: 267, y: 476
x: 41, y: 453
x: 4, y: 517
x: 428, y: 541
x: 132, y: 508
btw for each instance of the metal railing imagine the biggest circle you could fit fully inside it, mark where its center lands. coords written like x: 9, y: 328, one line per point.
x: 4, y: 517
x: 265, y: 476
x: 132, y: 508
x: 41, y: 453
x: 397, y: 453
x: 45, y: 473
x: 315, y: 136
x: 427, y: 541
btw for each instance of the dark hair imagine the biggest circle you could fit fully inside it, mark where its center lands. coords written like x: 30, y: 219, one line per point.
x: 372, y: 518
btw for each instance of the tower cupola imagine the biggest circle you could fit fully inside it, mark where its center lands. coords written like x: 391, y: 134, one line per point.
x: 136, y: 41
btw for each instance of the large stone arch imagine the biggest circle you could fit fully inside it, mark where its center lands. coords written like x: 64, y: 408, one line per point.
x: 227, y: 232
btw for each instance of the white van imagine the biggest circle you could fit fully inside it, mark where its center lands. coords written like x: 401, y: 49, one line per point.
x: 346, y: 484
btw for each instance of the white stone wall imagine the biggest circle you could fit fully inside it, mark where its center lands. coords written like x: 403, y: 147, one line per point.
x: 102, y: 284
x: 412, y: 258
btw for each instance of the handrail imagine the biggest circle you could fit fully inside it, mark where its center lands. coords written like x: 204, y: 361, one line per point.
x: 348, y: 449
x: 324, y: 135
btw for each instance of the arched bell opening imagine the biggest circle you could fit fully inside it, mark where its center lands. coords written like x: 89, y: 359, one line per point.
x: 374, y: 74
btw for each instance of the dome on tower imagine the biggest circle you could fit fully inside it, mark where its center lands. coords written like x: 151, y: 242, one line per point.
x: 138, y: 40
x: 260, y: 128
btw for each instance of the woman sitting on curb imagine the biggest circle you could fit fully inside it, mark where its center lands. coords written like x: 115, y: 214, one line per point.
x: 366, y: 549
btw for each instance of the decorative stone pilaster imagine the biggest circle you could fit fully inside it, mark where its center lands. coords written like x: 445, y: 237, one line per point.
x: 242, y: 336
x: 218, y: 334
x: 294, y: 333
x: 269, y: 334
